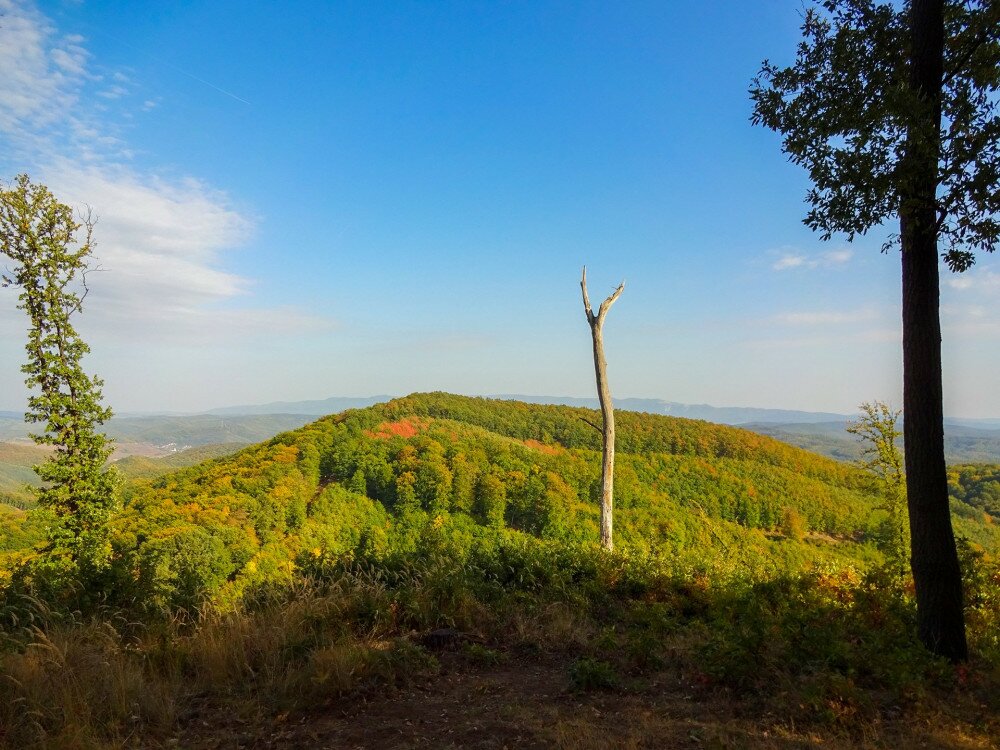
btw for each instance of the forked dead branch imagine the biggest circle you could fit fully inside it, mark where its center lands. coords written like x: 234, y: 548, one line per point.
x: 607, y: 409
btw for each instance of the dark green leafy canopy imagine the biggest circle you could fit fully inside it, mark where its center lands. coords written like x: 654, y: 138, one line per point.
x: 38, y: 235
x: 844, y: 109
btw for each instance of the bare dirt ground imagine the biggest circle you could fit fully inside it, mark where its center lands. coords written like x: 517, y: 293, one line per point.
x: 527, y: 702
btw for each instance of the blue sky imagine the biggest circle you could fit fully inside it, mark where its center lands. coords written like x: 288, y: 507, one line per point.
x: 300, y: 200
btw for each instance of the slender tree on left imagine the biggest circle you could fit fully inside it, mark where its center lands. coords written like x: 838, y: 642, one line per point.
x: 49, y: 255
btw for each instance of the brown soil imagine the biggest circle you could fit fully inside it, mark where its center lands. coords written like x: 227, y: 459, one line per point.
x: 527, y: 703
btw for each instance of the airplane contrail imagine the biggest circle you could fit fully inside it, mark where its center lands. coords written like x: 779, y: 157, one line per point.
x: 196, y: 78
x: 167, y: 64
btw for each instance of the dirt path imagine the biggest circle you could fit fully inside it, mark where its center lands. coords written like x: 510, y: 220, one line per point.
x: 527, y: 703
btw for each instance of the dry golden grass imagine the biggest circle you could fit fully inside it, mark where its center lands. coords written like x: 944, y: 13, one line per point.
x: 81, y: 686
x: 555, y: 626
x: 85, y: 685
x: 339, y: 660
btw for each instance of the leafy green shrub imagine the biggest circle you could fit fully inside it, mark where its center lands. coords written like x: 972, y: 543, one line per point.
x: 185, y: 567
x: 587, y: 674
x: 981, y: 584
x: 482, y: 656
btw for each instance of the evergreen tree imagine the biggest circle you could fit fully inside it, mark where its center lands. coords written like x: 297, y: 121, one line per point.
x: 38, y: 235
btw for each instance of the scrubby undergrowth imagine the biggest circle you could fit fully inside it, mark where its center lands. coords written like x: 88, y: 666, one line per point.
x: 832, y: 651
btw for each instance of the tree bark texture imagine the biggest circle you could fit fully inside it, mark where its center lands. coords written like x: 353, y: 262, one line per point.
x: 607, y: 409
x: 936, y: 573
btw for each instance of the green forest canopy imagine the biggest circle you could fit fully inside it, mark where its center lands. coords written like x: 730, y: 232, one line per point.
x: 376, y: 481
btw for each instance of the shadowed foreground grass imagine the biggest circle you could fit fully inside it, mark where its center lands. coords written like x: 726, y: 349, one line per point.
x: 555, y: 649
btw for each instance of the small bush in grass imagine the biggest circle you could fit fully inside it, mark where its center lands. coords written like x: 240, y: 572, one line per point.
x: 482, y: 656
x: 643, y: 651
x: 587, y: 674
x: 825, y: 637
x: 344, y: 667
x: 834, y: 699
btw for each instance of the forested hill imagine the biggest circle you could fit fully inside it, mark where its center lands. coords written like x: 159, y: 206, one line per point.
x: 637, y: 433
x: 383, y: 481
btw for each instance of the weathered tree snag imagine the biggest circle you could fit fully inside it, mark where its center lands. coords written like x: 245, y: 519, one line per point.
x: 607, y: 409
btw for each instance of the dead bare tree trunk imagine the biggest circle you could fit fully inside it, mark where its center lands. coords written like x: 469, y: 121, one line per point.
x: 607, y: 409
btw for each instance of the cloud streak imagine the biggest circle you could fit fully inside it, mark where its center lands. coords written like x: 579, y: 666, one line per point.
x: 825, y: 317
x: 162, y: 244
x: 978, y: 280
x: 788, y: 260
x: 826, y: 342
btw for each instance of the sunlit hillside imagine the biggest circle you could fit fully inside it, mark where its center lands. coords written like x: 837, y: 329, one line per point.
x: 370, y: 481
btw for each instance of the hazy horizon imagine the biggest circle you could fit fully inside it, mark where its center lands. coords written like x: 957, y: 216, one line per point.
x: 542, y: 397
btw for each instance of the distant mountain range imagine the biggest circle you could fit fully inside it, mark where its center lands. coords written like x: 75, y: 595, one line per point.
x: 962, y: 444
x: 966, y: 440
x: 733, y: 415
x: 318, y: 408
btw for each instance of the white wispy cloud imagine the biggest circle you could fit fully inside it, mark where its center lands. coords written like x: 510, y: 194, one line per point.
x: 965, y: 311
x: 162, y: 244
x: 825, y: 317
x: 877, y: 335
x: 969, y: 308
x: 975, y: 279
x: 798, y: 329
x: 42, y: 71
x: 113, y: 92
x: 836, y: 257
x: 789, y: 259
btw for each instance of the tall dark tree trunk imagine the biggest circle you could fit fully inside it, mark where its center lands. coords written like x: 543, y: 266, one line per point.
x: 936, y: 572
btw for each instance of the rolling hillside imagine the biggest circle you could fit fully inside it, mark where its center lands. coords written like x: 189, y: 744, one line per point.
x: 149, y: 467
x: 16, y: 474
x: 677, y: 479
x: 376, y: 481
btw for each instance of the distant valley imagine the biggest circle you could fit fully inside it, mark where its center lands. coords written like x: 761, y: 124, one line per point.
x: 159, y: 435
x: 966, y: 440
x: 962, y: 444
